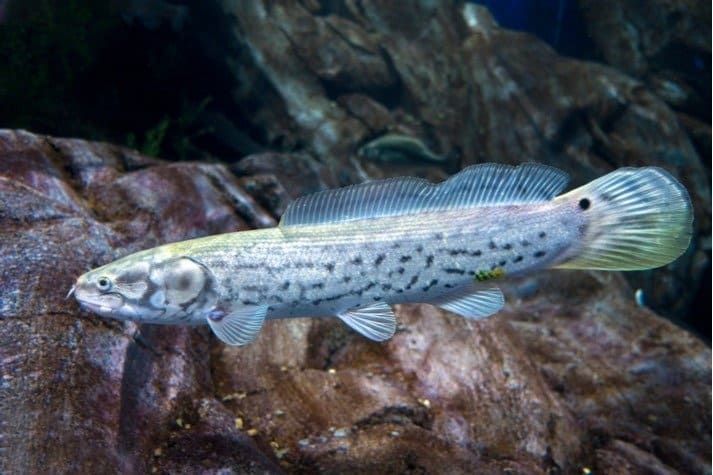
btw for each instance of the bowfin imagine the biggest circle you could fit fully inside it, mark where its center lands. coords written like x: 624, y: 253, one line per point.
x: 477, y: 185
x: 471, y: 302
x: 636, y: 218
x: 376, y: 322
x: 240, y: 326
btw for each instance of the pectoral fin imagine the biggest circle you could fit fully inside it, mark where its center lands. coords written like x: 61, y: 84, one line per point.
x: 240, y: 326
x: 471, y: 302
x: 376, y: 322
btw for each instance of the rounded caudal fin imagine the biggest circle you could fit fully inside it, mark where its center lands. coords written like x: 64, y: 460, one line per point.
x: 636, y: 218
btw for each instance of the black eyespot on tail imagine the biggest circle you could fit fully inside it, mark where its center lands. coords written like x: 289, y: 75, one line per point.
x: 584, y: 204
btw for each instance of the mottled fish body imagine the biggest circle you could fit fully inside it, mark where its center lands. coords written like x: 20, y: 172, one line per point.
x: 353, y: 252
x: 399, y: 147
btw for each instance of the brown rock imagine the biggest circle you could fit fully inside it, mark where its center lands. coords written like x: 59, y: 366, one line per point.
x: 299, y: 174
x: 79, y: 394
x: 572, y: 374
x: 477, y: 92
x: 665, y: 43
x: 371, y: 113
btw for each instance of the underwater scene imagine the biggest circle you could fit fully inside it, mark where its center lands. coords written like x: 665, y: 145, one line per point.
x: 355, y: 236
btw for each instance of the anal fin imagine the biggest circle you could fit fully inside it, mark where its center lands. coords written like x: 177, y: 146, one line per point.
x: 376, y: 322
x: 240, y: 326
x: 473, y: 302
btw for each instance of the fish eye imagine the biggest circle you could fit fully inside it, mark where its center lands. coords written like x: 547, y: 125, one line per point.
x: 584, y: 204
x: 104, y: 284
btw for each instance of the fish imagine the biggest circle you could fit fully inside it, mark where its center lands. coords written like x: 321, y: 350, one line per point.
x: 353, y: 252
x: 398, y: 147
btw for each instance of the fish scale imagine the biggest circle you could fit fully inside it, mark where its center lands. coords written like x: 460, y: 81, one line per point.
x: 354, y: 252
x: 327, y: 276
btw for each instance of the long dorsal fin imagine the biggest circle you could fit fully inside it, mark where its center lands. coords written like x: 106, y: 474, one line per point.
x: 477, y: 185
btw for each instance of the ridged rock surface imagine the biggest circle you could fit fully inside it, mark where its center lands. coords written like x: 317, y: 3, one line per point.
x: 338, y: 74
x: 572, y: 374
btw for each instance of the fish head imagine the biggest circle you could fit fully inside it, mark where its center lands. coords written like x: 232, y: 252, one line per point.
x: 147, y: 287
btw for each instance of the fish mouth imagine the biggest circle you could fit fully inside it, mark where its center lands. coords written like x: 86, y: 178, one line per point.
x: 104, y: 304
x: 122, y: 312
x: 99, y: 308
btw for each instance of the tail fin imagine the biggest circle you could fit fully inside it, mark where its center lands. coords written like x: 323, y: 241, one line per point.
x: 637, y: 218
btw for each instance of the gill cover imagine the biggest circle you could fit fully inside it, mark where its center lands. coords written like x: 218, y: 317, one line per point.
x: 182, y: 287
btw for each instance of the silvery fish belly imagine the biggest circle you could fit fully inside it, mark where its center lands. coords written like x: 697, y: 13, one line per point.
x: 353, y: 252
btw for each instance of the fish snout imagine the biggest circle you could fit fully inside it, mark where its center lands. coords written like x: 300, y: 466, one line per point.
x: 92, y: 297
